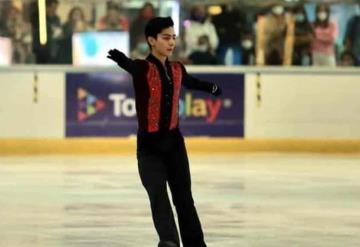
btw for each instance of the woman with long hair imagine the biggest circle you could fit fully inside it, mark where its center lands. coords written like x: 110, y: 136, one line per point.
x: 75, y: 23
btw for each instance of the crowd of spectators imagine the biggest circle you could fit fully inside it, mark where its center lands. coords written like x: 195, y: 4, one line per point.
x: 274, y: 35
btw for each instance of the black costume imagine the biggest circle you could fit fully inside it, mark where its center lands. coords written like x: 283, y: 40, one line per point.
x: 161, y: 151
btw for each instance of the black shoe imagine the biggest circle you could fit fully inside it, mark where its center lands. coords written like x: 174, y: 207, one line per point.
x: 168, y: 244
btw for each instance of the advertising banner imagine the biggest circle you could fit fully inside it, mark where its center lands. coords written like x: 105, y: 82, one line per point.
x: 103, y: 104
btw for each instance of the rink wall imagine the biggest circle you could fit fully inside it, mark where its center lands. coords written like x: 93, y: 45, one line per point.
x: 63, y: 109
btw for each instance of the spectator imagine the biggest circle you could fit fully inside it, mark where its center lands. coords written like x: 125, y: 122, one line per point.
x: 203, y: 55
x: 137, y: 27
x: 275, y: 37
x: 347, y: 59
x: 19, y: 31
x: 352, y: 36
x: 230, y: 27
x: 323, y: 45
x: 114, y: 20
x: 76, y: 22
x: 49, y: 52
x: 4, y: 9
x: 248, y: 49
x: 197, y: 29
x: 303, y: 38
x: 141, y: 50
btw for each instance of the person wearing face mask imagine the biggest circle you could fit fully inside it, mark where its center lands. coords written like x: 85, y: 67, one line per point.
x: 325, y: 32
x: 203, y: 55
x: 275, y: 37
x: 248, y: 54
x: 141, y: 49
x: 303, y: 38
x: 352, y: 35
x: 195, y: 30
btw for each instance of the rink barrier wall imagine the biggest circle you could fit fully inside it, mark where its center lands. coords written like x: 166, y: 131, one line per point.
x: 286, y: 109
x: 195, y: 145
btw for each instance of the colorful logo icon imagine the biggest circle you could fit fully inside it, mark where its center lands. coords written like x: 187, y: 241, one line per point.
x: 88, y: 105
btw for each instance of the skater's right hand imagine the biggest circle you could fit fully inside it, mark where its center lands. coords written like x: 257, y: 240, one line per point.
x: 114, y: 55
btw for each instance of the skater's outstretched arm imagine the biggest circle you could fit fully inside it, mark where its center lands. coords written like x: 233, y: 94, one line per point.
x: 123, y: 61
x: 191, y: 82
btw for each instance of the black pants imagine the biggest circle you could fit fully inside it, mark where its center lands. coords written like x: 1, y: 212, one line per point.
x: 162, y: 159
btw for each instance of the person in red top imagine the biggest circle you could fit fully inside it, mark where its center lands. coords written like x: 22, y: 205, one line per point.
x: 161, y: 152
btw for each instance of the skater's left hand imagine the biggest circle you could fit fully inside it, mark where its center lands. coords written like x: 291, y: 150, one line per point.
x: 216, y: 90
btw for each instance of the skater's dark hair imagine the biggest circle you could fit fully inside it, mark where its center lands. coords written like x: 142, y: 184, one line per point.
x: 156, y: 25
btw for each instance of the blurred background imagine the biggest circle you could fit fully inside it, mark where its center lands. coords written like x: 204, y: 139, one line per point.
x: 274, y: 159
x: 288, y: 69
x: 216, y: 32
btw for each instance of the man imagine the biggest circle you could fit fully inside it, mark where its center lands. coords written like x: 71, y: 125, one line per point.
x: 161, y: 152
x: 274, y: 37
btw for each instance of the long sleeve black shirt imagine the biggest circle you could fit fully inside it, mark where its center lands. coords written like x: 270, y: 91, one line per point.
x: 157, y: 90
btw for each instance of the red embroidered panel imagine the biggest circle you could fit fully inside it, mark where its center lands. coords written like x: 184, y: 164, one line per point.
x: 154, y: 107
x: 177, y: 77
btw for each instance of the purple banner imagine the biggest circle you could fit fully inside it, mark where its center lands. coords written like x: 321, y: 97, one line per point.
x: 103, y: 104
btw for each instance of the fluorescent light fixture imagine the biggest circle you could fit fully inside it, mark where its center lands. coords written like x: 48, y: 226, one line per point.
x: 42, y: 21
x: 215, y: 10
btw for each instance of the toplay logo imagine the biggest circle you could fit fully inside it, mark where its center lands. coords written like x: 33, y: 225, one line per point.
x: 209, y: 109
x: 198, y: 107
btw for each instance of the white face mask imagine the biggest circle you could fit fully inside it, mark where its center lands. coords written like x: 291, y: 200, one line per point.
x: 247, y: 44
x: 202, y: 48
x: 322, y: 16
x: 143, y: 47
x: 357, y: 9
x: 278, y: 10
x: 300, y: 17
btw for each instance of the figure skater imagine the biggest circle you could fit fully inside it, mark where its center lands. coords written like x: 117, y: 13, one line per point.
x: 161, y: 151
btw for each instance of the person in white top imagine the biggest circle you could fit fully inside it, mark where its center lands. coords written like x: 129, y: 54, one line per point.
x: 198, y: 28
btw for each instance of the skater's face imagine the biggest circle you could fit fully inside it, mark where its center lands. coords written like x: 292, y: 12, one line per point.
x: 165, y: 42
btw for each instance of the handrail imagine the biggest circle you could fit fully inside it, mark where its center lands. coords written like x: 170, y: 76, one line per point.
x: 190, y: 68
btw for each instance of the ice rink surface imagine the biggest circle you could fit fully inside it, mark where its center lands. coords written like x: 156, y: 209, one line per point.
x: 249, y: 199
